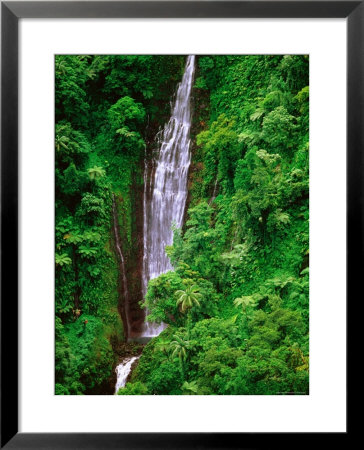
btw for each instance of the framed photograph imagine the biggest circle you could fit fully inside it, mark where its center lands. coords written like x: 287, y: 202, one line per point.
x: 181, y: 221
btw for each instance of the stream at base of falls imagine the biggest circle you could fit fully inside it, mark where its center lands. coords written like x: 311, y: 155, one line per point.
x: 123, y: 370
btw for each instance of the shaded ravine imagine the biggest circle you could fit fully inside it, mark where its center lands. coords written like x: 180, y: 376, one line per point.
x: 125, y: 313
x: 169, y: 189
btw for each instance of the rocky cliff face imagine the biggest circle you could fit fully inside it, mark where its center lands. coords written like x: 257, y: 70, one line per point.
x: 132, y: 247
x: 134, y: 252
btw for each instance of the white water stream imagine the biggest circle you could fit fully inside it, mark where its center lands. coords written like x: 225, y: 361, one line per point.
x: 169, y: 188
x: 122, y: 372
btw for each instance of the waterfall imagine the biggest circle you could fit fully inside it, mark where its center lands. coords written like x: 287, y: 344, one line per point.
x: 122, y: 267
x: 214, y: 192
x: 169, y: 189
x: 122, y: 372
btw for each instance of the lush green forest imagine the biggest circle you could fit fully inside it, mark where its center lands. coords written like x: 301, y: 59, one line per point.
x: 237, y: 302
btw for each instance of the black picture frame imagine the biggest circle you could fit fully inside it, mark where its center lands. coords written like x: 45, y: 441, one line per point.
x: 11, y: 12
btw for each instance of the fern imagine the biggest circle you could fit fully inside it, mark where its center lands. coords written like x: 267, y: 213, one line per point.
x: 63, y: 260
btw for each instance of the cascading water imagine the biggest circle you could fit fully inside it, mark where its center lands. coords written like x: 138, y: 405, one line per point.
x: 122, y: 267
x: 169, y: 189
x: 122, y: 372
x: 214, y: 192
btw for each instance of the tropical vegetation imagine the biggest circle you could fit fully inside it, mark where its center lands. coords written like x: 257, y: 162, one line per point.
x: 236, y: 303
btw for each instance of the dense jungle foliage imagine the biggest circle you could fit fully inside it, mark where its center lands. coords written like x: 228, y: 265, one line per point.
x: 237, y: 301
